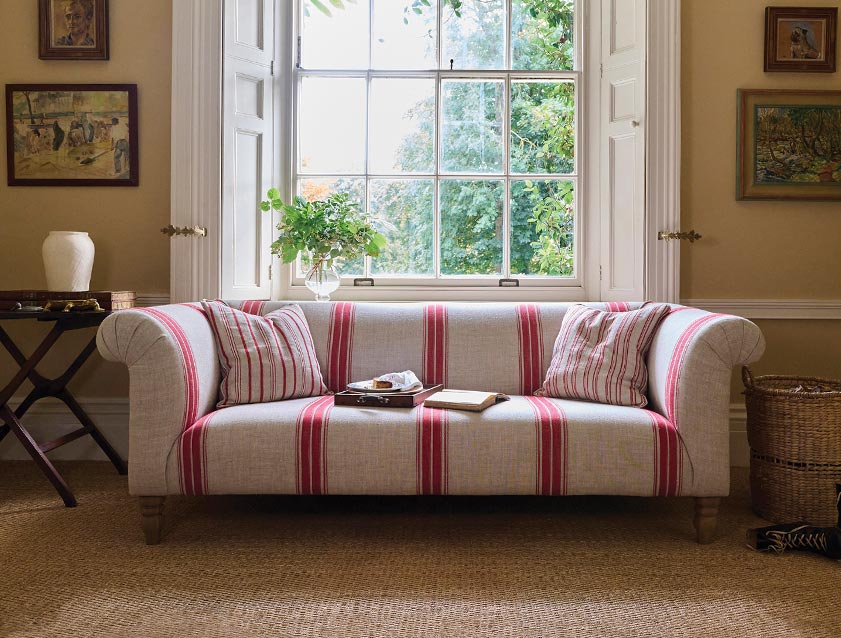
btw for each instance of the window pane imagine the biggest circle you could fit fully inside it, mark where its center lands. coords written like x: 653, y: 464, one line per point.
x: 402, y: 117
x: 542, y: 233
x: 541, y: 35
x: 471, y: 227
x: 332, y: 125
x: 472, y: 126
x: 404, y: 38
x: 542, y: 127
x: 408, y: 205
x: 473, y: 35
x: 321, y: 188
x: 335, y: 37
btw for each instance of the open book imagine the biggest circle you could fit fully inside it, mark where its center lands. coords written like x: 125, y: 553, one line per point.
x: 464, y: 400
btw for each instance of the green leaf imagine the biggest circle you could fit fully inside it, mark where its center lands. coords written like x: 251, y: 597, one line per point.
x: 277, y: 204
x: 320, y: 6
x: 273, y: 194
x: 288, y: 254
x: 265, y: 207
x: 337, y: 3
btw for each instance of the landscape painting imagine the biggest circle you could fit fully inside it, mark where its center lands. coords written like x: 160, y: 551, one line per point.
x: 72, y: 135
x: 789, y: 144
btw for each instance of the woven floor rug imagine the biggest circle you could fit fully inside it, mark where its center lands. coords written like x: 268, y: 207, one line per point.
x: 348, y: 567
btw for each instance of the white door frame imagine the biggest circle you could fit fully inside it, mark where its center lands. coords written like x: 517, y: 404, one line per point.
x: 197, y: 148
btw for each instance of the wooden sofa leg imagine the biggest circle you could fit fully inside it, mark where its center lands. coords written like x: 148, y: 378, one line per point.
x: 152, y: 517
x: 706, y: 516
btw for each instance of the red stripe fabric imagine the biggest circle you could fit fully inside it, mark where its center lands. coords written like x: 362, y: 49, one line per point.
x: 340, y: 345
x: 618, y: 306
x: 676, y: 364
x: 600, y: 356
x: 193, y: 457
x: 253, y: 307
x: 434, y: 344
x: 191, y: 378
x: 551, y: 437
x: 250, y: 348
x: 668, y: 456
x: 432, y: 452
x: 311, y: 450
x: 531, y: 347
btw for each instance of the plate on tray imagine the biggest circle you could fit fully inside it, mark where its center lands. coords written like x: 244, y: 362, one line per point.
x: 368, y: 386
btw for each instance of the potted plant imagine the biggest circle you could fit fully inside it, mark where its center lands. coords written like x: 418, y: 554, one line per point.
x: 324, y: 231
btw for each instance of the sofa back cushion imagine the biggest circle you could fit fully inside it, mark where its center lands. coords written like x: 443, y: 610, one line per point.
x: 600, y: 356
x: 501, y: 347
x: 269, y: 358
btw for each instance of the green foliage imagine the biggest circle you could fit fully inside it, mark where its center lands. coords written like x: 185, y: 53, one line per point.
x: 328, y: 229
x: 321, y: 6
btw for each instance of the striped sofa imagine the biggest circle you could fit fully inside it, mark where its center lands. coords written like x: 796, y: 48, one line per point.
x: 181, y: 444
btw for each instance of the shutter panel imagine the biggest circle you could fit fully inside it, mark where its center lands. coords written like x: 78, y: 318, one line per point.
x: 622, y: 149
x: 248, y: 143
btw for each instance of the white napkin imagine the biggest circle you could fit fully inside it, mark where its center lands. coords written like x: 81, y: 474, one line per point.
x: 407, y: 378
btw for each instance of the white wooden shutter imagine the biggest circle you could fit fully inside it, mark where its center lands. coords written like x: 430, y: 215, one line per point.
x: 248, y: 147
x: 622, y: 149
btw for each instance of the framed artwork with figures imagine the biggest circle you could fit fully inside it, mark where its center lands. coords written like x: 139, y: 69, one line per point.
x: 73, y: 29
x: 72, y: 134
x: 800, y: 39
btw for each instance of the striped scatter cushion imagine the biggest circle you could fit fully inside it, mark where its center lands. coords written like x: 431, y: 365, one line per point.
x: 269, y: 358
x: 600, y: 356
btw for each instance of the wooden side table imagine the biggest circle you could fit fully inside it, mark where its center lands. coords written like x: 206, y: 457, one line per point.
x: 62, y: 322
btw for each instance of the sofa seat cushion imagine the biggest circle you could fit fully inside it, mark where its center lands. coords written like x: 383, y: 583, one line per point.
x: 529, y: 445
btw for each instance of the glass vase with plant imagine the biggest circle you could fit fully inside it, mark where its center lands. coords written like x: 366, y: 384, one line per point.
x: 325, y: 231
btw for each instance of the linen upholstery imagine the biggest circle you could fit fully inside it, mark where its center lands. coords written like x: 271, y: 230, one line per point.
x: 269, y: 358
x: 599, y: 356
x: 517, y: 447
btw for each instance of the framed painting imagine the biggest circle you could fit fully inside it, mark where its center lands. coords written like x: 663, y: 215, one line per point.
x: 72, y: 134
x: 788, y: 144
x: 73, y: 29
x: 800, y: 39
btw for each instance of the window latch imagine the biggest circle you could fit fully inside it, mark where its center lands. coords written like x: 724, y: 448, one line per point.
x: 363, y: 281
x: 509, y: 283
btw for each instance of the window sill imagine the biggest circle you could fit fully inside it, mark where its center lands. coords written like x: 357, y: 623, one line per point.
x: 441, y: 293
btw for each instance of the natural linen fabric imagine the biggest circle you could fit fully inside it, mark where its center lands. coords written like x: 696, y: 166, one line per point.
x: 269, y: 358
x: 600, y: 356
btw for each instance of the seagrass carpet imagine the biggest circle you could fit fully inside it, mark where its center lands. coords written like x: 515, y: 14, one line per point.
x: 348, y: 567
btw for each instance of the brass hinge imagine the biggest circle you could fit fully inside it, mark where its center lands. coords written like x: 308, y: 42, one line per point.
x: 666, y: 235
x: 186, y: 231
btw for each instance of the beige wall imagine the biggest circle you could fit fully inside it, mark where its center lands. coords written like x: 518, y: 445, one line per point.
x: 123, y: 222
x: 751, y: 250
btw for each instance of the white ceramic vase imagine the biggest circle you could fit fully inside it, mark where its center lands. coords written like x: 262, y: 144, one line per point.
x: 68, y: 260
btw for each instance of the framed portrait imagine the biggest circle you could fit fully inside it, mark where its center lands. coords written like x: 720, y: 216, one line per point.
x: 800, y: 39
x: 73, y: 29
x: 788, y: 144
x: 72, y: 134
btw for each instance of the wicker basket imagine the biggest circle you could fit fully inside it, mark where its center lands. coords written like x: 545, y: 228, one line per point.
x: 795, y: 448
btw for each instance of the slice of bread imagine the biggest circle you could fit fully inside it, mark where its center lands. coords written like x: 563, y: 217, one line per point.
x: 381, y: 384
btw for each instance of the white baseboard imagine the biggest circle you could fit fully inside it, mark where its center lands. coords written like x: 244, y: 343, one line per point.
x: 49, y: 419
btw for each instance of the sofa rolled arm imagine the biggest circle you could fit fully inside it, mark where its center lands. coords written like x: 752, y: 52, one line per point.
x: 174, y: 379
x: 690, y: 365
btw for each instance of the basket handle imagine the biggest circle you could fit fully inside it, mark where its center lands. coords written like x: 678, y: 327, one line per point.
x: 747, y: 377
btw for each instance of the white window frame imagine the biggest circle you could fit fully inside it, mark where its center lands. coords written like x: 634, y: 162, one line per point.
x: 421, y: 284
x: 196, y: 179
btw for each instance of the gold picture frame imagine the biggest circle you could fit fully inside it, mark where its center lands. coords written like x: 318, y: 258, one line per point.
x: 788, y: 145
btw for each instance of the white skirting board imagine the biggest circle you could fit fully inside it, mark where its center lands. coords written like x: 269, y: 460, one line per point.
x: 49, y: 419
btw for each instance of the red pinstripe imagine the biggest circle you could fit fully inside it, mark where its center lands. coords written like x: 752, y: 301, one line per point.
x: 311, y: 453
x: 667, y: 456
x: 551, y: 436
x: 193, y: 457
x: 618, y: 306
x: 435, y: 324
x: 340, y: 345
x: 432, y: 451
x: 253, y: 307
x: 676, y: 364
x: 191, y: 378
x: 531, y: 347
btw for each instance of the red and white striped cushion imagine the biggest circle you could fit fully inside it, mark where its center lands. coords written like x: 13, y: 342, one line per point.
x: 600, y: 356
x: 269, y: 358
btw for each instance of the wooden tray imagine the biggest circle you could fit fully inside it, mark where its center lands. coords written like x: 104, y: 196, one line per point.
x: 396, y: 400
